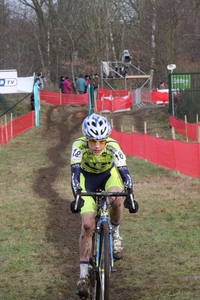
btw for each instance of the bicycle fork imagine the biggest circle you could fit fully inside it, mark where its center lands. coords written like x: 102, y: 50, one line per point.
x: 98, y: 242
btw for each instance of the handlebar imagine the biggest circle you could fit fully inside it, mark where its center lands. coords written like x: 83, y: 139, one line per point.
x: 126, y: 193
x: 103, y: 193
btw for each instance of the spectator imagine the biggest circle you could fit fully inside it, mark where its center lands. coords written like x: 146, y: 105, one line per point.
x: 66, y: 86
x: 39, y: 81
x: 32, y: 102
x: 81, y: 84
x: 162, y: 85
x: 60, y: 84
x: 95, y: 85
x: 87, y: 79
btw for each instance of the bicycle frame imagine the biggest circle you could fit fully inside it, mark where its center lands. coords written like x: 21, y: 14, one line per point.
x: 102, y: 216
x: 100, y: 277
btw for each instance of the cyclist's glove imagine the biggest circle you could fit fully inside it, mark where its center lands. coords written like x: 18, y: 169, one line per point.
x: 128, y: 201
x: 128, y: 205
x: 79, y: 206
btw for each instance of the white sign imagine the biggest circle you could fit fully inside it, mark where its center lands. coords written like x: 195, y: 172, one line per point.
x: 11, y: 84
x: 8, y: 81
x: 25, y: 84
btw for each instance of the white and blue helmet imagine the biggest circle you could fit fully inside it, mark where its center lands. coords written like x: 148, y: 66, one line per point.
x: 96, y: 127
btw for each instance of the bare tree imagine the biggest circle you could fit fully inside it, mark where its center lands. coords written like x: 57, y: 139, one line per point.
x: 63, y: 37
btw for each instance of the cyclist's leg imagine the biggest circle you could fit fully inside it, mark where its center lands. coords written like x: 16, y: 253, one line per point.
x: 85, y: 239
x: 85, y: 248
x: 114, y: 184
x: 116, y: 208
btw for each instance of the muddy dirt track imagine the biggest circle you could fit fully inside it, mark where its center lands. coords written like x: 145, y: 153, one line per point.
x: 61, y: 125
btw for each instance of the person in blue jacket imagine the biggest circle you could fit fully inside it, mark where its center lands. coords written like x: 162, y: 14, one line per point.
x: 60, y: 84
x: 81, y: 84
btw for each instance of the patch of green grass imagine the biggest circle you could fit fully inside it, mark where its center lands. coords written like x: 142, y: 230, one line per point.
x: 39, y: 236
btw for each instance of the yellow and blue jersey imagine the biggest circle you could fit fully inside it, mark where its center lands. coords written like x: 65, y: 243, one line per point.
x: 111, y: 155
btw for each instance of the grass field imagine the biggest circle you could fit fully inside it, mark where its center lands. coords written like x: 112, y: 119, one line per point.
x: 39, y: 236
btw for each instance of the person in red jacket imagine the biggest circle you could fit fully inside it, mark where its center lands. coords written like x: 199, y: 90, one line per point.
x: 87, y: 79
x: 66, y: 86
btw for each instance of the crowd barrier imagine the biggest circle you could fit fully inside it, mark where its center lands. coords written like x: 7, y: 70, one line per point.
x: 108, y: 100
x: 189, y: 130
x: 14, y: 127
x: 175, y: 155
x: 113, y: 101
x: 63, y: 99
x: 121, y: 100
x: 160, y: 96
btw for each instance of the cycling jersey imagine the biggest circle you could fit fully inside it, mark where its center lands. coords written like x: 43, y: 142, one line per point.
x: 90, y: 171
x: 110, y: 155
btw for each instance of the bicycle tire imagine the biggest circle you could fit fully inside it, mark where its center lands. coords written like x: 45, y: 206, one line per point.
x: 92, y: 270
x: 103, y: 279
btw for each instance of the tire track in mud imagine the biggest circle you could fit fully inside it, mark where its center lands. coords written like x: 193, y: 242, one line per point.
x: 63, y: 228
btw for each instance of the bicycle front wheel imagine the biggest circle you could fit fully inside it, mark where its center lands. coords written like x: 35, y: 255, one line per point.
x: 103, y: 283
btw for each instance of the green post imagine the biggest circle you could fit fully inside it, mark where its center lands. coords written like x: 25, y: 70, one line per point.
x: 37, y: 105
x: 170, y: 94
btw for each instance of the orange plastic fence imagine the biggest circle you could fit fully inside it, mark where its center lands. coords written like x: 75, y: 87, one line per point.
x: 16, y: 126
x: 63, y: 99
x: 159, y: 96
x: 184, y: 128
x: 175, y: 155
x: 113, y: 101
x: 119, y: 100
x: 108, y: 100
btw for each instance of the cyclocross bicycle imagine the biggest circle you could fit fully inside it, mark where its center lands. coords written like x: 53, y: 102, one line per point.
x: 101, y: 263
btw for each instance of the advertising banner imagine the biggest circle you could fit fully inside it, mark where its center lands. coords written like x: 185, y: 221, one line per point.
x: 181, y: 81
x: 25, y: 84
x: 8, y: 81
x: 11, y: 84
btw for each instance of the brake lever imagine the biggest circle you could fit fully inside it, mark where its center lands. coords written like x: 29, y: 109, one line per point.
x: 130, y: 193
x: 132, y: 201
x: 76, y: 202
x: 77, y: 198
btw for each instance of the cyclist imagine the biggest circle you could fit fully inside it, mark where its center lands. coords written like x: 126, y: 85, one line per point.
x: 97, y: 161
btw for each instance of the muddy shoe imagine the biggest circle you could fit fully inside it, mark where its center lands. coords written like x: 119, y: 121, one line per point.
x: 83, y: 287
x: 117, y: 247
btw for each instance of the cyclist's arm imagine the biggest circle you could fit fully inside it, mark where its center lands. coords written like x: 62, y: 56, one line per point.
x: 75, y: 205
x: 126, y: 178
x: 75, y: 177
x: 76, y: 157
x: 120, y: 163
